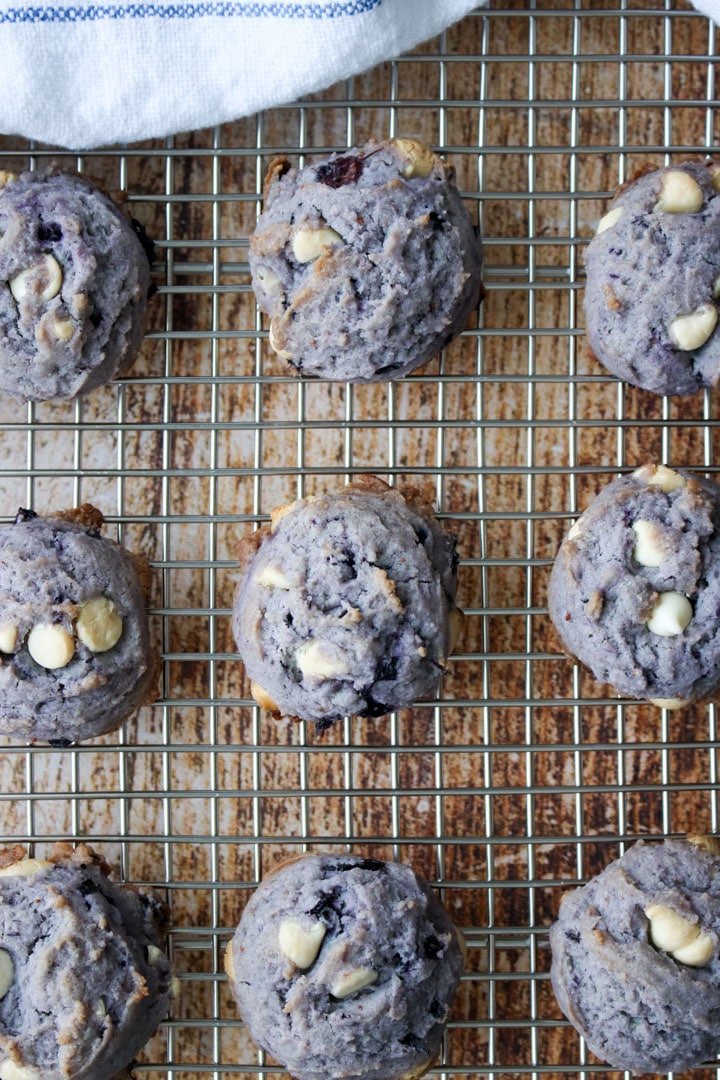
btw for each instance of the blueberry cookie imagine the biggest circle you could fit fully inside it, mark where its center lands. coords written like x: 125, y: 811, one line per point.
x: 74, y: 280
x: 635, y: 590
x: 84, y: 978
x: 345, y: 967
x: 345, y: 604
x: 367, y: 263
x: 75, y: 651
x: 653, y: 281
x: 636, y: 965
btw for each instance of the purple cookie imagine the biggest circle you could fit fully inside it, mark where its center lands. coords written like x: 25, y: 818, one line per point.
x: 84, y: 977
x: 74, y: 280
x: 367, y: 263
x: 635, y: 590
x: 75, y: 651
x: 344, y: 968
x: 653, y: 279
x: 345, y: 605
x: 636, y: 965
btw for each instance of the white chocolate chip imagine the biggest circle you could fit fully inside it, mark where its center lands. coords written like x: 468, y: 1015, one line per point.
x: 8, y: 637
x: 54, y: 276
x: 7, y: 972
x: 10, y: 1071
x: 350, y: 982
x: 716, y: 178
x: 674, y: 934
x: 282, y: 353
x: 667, y: 479
x: 671, y: 615
x: 609, y: 219
x: 62, y: 329
x: 679, y: 193
x: 49, y: 272
x: 660, y: 476
x: 154, y: 954
x: 272, y: 578
x: 575, y: 530
x: 321, y: 660
x: 6, y: 178
x: 308, y: 244
x: 50, y: 646
x: 301, y: 944
x: 697, y: 953
x: 669, y: 702
x: 99, y: 1009
x: 25, y: 868
x: 668, y: 930
x: 649, y: 548
x: 99, y: 624
x: 419, y: 158
x: 688, y: 332
x: 79, y: 305
x: 267, y: 279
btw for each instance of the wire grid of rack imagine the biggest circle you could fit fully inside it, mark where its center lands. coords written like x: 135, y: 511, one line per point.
x: 525, y: 776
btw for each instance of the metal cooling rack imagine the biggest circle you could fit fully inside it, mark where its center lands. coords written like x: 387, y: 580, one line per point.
x: 524, y: 776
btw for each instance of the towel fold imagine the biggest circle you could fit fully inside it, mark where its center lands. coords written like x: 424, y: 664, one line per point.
x: 87, y: 73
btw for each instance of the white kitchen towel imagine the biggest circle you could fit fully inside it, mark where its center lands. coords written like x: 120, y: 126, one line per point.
x: 86, y: 73
x: 709, y: 7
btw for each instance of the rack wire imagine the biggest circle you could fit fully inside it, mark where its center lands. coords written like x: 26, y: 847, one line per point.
x: 525, y: 776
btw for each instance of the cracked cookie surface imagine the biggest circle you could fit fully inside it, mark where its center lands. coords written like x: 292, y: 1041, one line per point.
x: 615, y: 973
x: 74, y: 280
x: 653, y: 281
x: 75, y: 650
x: 345, y: 604
x: 367, y: 263
x: 345, y: 967
x: 84, y: 978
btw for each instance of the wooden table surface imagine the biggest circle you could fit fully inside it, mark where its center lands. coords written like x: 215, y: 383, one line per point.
x: 525, y: 776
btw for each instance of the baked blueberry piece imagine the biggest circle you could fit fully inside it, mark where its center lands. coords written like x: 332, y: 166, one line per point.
x: 345, y: 967
x: 635, y: 590
x: 84, y: 978
x: 636, y: 965
x: 367, y: 263
x: 75, y: 651
x: 74, y: 279
x: 653, y: 280
x: 345, y: 604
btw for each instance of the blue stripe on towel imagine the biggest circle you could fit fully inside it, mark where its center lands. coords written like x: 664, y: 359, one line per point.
x: 197, y: 9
